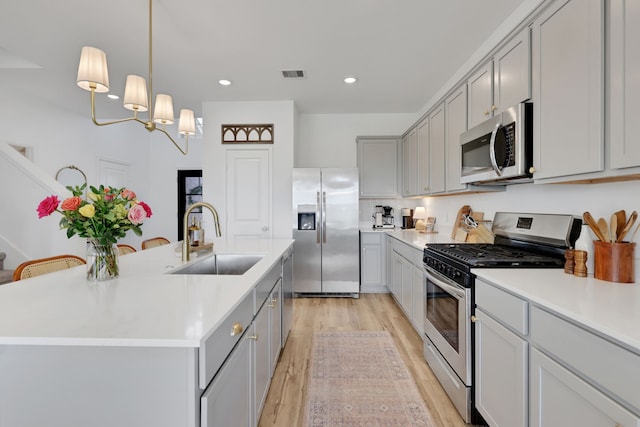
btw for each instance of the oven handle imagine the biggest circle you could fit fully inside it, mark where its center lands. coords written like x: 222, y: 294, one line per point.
x: 492, y: 149
x: 456, y: 291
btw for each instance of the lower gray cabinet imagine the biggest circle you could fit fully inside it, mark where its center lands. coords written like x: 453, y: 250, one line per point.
x: 275, y: 322
x: 262, y: 373
x: 559, y: 398
x: 228, y: 399
x: 501, y: 373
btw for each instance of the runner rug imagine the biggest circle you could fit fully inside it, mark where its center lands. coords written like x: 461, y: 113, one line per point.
x: 357, y: 378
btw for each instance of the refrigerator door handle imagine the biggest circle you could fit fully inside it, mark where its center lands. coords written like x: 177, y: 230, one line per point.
x: 324, y: 217
x: 318, y: 217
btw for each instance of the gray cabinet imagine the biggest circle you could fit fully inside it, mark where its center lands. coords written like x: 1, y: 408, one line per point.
x: 512, y: 72
x: 423, y: 156
x: 624, y: 84
x: 409, y: 163
x: 378, y: 166
x: 455, y: 124
x: 261, y: 358
x: 480, y: 85
x: 407, y: 284
x: 560, y: 398
x: 502, y: 81
x: 534, y: 367
x: 275, y: 325
x: 372, y: 262
x: 228, y: 399
x: 436, y: 150
x: 501, y: 356
x: 568, y: 83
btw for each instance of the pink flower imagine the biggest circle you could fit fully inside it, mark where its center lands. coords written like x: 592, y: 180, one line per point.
x: 146, y: 208
x: 71, y: 204
x: 107, y: 194
x: 48, y: 206
x: 137, y: 214
x: 127, y: 194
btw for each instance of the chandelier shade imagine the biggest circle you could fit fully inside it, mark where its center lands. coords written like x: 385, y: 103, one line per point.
x: 187, y: 124
x: 163, y: 113
x: 92, y: 70
x: 135, y: 94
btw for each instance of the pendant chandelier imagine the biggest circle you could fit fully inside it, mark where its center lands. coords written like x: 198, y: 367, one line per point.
x: 94, y: 77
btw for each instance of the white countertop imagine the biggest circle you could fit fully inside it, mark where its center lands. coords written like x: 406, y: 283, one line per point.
x: 412, y: 237
x: 609, y: 309
x: 142, y: 307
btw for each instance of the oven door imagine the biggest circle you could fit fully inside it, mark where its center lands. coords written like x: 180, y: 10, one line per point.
x: 447, y: 322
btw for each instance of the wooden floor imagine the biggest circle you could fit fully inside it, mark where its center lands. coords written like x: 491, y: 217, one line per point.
x: 285, y: 402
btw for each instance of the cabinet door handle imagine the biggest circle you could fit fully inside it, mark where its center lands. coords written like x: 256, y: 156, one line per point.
x: 486, y: 112
x: 494, y: 108
x: 253, y: 337
x: 236, y: 329
x: 474, y: 319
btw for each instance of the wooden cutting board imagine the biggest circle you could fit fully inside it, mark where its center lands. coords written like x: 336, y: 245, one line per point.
x: 457, y: 224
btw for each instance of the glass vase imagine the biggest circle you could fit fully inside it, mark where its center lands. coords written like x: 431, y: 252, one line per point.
x: 102, y: 261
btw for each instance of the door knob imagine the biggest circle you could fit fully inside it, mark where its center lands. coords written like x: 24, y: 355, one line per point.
x: 265, y: 228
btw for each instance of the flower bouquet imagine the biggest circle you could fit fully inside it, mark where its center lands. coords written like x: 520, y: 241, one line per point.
x: 103, y: 217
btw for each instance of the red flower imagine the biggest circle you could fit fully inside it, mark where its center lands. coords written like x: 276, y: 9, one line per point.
x: 146, y: 208
x: 48, y: 206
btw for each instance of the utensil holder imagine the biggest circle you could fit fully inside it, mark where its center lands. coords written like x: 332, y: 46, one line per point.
x: 614, y: 262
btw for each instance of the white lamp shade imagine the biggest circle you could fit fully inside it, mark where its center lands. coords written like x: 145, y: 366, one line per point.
x: 420, y: 213
x: 163, y: 112
x: 135, y: 94
x: 187, y: 124
x: 92, y: 70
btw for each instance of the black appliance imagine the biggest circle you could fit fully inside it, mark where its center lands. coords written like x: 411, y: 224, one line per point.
x: 522, y: 241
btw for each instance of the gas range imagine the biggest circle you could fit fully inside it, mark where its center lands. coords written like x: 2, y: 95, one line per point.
x: 521, y: 241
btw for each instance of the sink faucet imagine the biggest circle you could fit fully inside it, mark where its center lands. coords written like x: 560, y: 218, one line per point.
x: 185, y: 226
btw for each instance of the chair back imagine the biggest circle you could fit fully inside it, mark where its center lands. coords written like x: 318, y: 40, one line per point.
x: 125, y: 249
x: 37, y: 267
x: 155, y: 241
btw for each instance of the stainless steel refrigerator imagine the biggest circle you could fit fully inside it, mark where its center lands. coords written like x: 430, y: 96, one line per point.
x: 325, y: 229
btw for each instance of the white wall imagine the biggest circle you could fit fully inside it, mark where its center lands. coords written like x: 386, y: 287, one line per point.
x: 283, y: 116
x: 329, y: 140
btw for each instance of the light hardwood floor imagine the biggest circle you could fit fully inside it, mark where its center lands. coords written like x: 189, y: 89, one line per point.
x: 285, y: 402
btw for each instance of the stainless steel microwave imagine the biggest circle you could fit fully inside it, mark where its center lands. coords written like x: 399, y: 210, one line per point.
x: 499, y: 150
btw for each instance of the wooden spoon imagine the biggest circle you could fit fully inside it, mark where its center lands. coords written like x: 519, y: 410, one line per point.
x: 588, y: 218
x: 604, y: 229
x: 613, y: 228
x: 627, y: 226
x: 621, y: 216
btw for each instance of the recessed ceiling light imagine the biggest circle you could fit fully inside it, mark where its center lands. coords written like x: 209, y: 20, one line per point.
x: 350, y: 80
x: 113, y: 96
x: 224, y: 82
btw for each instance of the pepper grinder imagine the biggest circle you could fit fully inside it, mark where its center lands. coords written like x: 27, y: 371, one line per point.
x: 569, y: 261
x: 580, y: 268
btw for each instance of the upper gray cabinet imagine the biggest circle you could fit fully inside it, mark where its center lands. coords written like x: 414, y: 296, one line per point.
x: 624, y: 83
x: 378, y: 166
x: 437, y: 150
x: 503, y: 81
x: 455, y: 124
x: 409, y: 168
x: 568, y: 83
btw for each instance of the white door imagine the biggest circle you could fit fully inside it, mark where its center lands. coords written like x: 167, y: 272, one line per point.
x: 248, y: 193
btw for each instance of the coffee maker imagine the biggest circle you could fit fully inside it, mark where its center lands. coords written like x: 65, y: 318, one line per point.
x: 383, y: 217
x: 407, y: 218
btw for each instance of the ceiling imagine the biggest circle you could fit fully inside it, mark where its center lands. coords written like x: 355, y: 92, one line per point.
x: 402, y: 51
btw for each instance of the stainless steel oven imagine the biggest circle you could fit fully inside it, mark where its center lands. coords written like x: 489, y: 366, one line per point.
x: 447, y: 346
x: 522, y: 241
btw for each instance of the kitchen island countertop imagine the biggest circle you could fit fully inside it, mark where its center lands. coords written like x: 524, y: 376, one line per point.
x: 143, y: 307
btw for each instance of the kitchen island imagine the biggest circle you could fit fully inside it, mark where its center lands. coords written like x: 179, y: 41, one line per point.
x: 137, y: 350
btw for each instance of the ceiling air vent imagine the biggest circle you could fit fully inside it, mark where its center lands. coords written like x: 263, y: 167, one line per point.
x: 293, y: 74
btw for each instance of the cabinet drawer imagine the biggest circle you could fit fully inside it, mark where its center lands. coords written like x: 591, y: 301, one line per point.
x: 603, y: 363
x: 215, y: 348
x: 507, y: 308
x: 371, y: 237
x: 264, y: 287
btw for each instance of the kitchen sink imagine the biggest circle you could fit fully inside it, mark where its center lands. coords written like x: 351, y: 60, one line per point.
x: 221, y: 264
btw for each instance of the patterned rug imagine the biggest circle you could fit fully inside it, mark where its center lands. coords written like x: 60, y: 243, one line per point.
x: 357, y: 378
